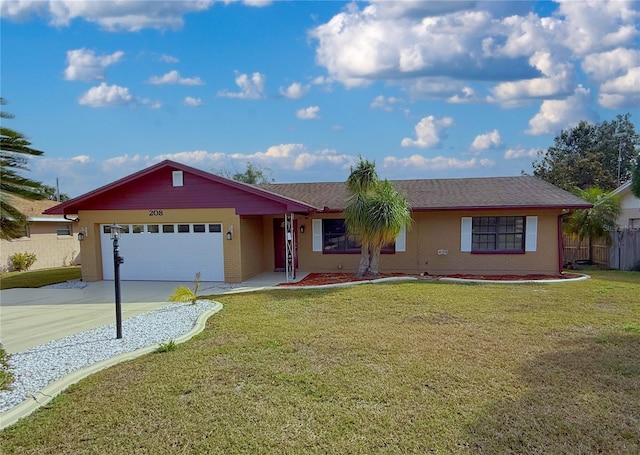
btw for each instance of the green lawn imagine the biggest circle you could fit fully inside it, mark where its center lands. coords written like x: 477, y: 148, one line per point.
x: 38, y: 278
x: 416, y: 367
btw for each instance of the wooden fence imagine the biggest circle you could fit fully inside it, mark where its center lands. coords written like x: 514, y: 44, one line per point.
x: 620, y: 251
x: 625, y: 249
x: 574, y: 250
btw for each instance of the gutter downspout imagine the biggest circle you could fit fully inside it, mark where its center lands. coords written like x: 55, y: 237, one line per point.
x: 561, y: 240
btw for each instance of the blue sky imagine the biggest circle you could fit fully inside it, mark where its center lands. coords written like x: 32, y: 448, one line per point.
x: 426, y: 89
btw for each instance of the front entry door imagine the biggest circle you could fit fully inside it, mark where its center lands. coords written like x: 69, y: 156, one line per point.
x: 279, y: 252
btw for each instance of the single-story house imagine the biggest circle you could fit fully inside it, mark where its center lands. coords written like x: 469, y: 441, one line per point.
x: 50, y: 237
x: 178, y: 220
x: 630, y: 207
x: 624, y: 251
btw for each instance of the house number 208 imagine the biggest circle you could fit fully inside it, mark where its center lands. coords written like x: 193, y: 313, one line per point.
x: 155, y: 213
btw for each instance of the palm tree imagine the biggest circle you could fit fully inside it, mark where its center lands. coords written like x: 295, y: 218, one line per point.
x: 13, y: 148
x: 375, y: 213
x: 595, y: 222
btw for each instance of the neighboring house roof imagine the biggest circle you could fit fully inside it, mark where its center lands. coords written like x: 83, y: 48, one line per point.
x: 152, y: 187
x: 520, y: 192
x: 624, y: 188
x: 33, y: 210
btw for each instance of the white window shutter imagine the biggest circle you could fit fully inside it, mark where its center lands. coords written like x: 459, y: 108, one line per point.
x: 401, y: 240
x: 465, y: 234
x: 316, y: 232
x: 531, y: 229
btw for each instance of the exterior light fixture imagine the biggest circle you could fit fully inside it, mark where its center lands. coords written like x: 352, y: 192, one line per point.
x: 115, y: 230
x: 80, y: 236
x: 117, y: 260
x: 230, y: 233
x: 83, y: 234
x: 302, y: 229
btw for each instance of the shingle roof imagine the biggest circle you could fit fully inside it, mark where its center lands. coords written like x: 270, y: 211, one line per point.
x: 32, y: 209
x: 445, y: 194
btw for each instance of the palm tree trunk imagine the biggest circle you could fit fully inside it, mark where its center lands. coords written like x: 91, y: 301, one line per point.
x: 374, y: 262
x: 365, y: 261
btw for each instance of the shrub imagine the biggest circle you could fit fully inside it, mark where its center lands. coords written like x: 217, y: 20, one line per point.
x: 23, y: 261
x: 166, y: 347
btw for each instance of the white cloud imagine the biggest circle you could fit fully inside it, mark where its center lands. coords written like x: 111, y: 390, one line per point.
x: 308, y: 113
x: 594, y: 25
x: 431, y: 48
x: 82, y: 158
x: 558, y: 79
x: 112, y: 16
x: 168, y: 58
x: 385, y: 103
x: 84, y: 65
x: 467, y: 95
x: 357, y: 46
x: 192, y: 102
x: 250, y: 87
x: 256, y: 3
x: 295, y: 91
x: 487, y: 141
x: 555, y: 115
x: 435, y: 164
x: 520, y: 152
x: 106, y: 95
x: 621, y: 92
x: 606, y: 65
x: 429, y: 132
x: 173, y: 77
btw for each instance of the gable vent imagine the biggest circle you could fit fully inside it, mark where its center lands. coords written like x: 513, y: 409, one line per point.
x: 178, y: 179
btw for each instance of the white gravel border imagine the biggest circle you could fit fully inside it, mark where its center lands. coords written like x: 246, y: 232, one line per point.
x: 43, y: 372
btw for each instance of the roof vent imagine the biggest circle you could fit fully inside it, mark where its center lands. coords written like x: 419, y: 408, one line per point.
x: 178, y: 179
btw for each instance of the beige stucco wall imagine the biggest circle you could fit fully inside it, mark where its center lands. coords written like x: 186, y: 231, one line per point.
x: 50, y: 249
x: 251, y: 251
x: 92, y: 219
x: 252, y: 243
x: 433, y: 231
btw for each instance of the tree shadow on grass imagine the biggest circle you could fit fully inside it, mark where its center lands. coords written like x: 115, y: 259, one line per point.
x: 582, y: 399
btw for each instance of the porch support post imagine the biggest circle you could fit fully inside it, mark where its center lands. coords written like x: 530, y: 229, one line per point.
x: 290, y: 251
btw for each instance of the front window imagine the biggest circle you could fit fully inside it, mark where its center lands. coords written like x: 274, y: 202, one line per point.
x: 336, y: 240
x: 498, y: 234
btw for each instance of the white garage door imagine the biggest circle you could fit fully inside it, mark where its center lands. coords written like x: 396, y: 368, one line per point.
x: 166, y: 252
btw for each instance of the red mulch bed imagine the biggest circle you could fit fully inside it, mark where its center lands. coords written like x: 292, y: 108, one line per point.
x: 320, y: 279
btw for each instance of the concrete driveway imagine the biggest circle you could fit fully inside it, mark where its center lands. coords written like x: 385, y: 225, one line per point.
x: 30, y: 317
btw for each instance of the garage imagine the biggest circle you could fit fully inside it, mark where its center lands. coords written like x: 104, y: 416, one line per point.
x: 165, y: 252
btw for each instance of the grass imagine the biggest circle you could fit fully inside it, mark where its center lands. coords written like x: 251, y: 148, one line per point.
x: 38, y: 278
x: 417, y: 367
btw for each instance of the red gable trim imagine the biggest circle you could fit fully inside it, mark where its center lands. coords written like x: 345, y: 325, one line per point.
x: 204, y: 192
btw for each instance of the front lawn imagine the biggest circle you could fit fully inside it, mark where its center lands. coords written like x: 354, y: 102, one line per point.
x: 39, y: 278
x: 413, y: 367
